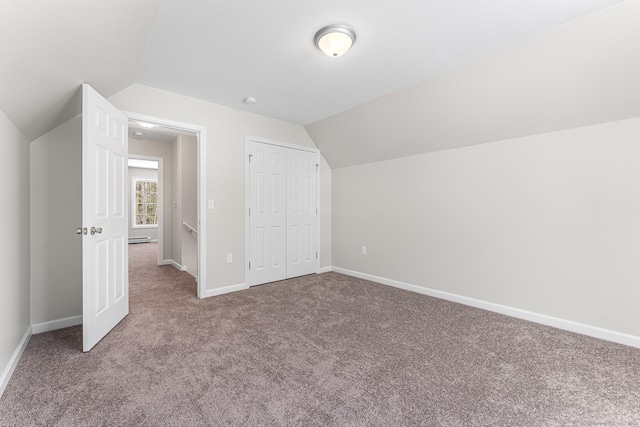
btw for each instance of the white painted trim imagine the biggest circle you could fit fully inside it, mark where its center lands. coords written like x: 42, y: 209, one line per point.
x: 226, y: 290
x: 543, y: 319
x: 249, y: 138
x: 247, y: 205
x: 318, y: 211
x: 13, y: 362
x: 201, y: 132
x: 247, y: 191
x: 325, y: 269
x: 54, y: 325
x: 175, y: 264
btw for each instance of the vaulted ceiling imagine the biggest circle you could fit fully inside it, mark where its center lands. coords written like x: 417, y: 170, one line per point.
x: 411, y: 83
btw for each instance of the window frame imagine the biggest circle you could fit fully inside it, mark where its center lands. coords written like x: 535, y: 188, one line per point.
x: 134, y: 180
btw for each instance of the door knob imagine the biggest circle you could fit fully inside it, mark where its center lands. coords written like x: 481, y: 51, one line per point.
x: 95, y: 230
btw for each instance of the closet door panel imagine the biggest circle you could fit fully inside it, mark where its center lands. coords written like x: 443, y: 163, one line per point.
x: 301, y: 213
x: 268, y: 214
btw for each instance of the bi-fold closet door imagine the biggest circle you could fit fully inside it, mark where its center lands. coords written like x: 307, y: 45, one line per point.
x: 283, y: 212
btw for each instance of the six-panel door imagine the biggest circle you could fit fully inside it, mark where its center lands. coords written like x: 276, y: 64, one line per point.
x: 105, y: 280
x: 283, y: 214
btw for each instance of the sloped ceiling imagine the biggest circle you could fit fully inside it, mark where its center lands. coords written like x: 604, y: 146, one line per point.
x: 583, y: 73
x: 222, y: 51
x: 49, y: 48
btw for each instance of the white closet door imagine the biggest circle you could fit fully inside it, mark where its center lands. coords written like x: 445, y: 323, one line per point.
x: 267, y: 215
x: 301, y: 213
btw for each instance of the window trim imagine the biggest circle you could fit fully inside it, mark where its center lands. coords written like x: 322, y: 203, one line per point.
x: 135, y: 179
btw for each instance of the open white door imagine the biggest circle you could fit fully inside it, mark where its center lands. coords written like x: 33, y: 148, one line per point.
x: 105, y: 275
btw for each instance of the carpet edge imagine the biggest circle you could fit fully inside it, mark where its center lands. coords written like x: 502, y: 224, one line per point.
x: 543, y: 319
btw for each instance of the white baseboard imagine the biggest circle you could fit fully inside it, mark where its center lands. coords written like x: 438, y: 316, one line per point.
x: 175, y: 264
x: 225, y: 290
x: 53, y: 325
x: 13, y: 362
x: 543, y: 319
x: 325, y: 269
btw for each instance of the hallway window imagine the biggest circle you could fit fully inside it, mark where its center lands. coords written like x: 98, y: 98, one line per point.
x: 145, y: 202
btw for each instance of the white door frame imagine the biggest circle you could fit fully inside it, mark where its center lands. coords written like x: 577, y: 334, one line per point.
x: 201, y: 135
x: 160, y: 161
x: 247, y: 201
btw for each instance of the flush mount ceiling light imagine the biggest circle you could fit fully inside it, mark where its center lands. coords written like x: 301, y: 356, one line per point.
x: 146, y: 125
x: 250, y: 100
x: 335, y: 40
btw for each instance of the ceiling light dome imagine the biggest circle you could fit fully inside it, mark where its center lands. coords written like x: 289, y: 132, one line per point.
x: 335, y: 40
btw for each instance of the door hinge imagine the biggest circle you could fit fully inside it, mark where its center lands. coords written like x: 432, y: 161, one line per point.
x: 249, y: 211
x: 316, y: 255
x: 317, y: 167
x: 250, y: 156
x: 316, y: 211
x: 249, y: 265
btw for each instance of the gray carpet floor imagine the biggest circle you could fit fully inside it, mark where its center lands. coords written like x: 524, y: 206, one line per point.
x: 313, y: 351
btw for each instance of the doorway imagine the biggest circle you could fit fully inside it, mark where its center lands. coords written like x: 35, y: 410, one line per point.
x: 179, y: 149
x: 146, y: 201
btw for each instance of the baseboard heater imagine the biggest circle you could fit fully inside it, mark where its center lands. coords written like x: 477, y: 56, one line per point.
x: 143, y: 239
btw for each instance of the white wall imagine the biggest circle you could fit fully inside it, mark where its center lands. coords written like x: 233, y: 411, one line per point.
x: 176, y: 200
x: 145, y: 147
x: 189, y: 201
x: 14, y: 244
x: 226, y: 161
x: 547, y: 223
x: 56, y: 212
x: 140, y: 173
x: 56, y: 194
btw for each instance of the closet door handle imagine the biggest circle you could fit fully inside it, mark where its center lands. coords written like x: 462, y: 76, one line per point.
x: 95, y: 230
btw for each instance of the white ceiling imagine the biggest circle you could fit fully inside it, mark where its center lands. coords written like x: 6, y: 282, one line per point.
x: 222, y: 51
x: 156, y: 133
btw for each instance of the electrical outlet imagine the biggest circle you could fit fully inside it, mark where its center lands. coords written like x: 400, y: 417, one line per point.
x: 211, y: 204
x: 229, y: 257
x: 364, y: 250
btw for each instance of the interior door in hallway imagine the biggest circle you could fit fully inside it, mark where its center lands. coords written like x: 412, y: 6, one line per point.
x: 105, y: 279
x: 282, y: 212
